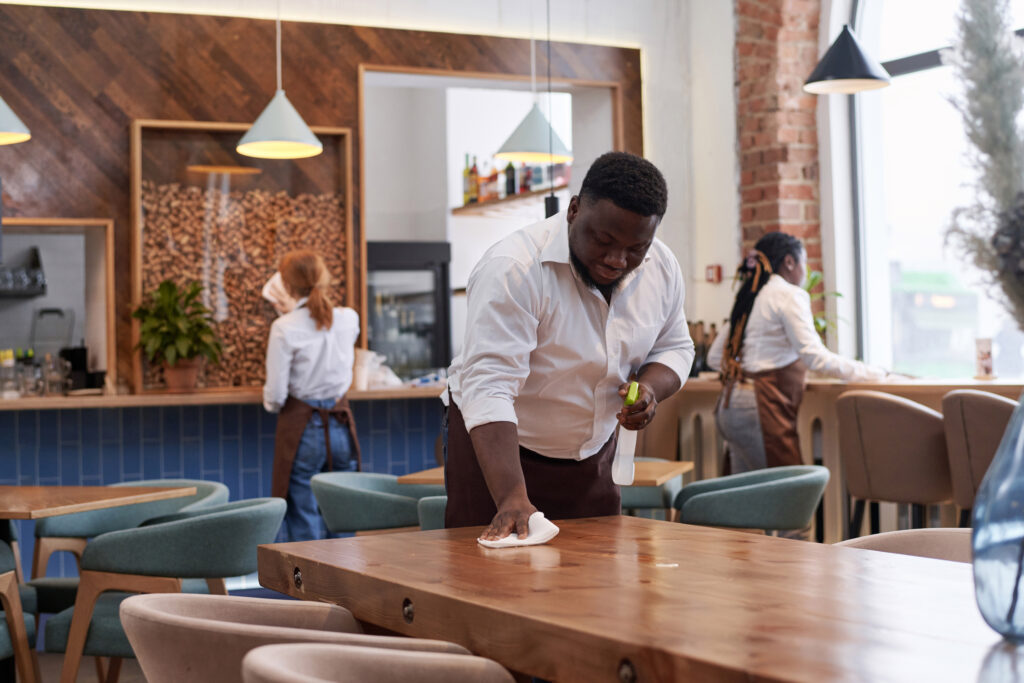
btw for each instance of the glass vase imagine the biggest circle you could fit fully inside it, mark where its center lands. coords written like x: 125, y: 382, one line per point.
x: 998, y: 537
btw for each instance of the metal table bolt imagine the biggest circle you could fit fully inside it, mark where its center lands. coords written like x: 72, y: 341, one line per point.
x: 297, y: 578
x: 627, y: 672
x: 408, y: 611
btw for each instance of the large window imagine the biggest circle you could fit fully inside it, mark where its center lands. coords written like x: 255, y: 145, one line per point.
x: 923, y: 303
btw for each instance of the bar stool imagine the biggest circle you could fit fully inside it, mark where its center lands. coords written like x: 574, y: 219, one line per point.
x: 974, y: 423
x: 893, y: 450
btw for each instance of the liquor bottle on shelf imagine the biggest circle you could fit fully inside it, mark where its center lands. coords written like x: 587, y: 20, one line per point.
x: 474, y: 184
x: 524, y: 178
x: 492, y: 183
x: 510, y: 179
x: 465, y: 181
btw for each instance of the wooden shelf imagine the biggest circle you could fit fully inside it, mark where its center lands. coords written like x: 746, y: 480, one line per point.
x: 206, y: 398
x: 479, y: 207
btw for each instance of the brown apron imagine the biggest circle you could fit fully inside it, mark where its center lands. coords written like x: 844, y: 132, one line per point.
x: 779, y: 393
x: 291, y: 423
x: 560, y: 488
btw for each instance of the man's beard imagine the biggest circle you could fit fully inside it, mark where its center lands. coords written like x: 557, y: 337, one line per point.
x: 585, y: 275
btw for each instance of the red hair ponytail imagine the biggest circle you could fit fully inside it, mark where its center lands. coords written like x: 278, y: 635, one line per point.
x: 304, y: 274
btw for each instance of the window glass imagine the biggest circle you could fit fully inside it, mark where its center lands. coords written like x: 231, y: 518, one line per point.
x: 924, y: 303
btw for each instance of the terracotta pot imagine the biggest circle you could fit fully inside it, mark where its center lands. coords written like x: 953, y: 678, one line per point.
x: 182, y: 375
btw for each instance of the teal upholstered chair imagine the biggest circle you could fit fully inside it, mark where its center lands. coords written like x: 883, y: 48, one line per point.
x: 70, y: 532
x: 431, y: 512
x: 365, y: 501
x: 777, y: 498
x: 18, y: 627
x: 653, y: 498
x: 208, y: 543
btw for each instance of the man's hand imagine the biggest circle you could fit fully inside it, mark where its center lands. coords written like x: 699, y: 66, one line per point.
x: 513, y: 518
x: 640, y: 414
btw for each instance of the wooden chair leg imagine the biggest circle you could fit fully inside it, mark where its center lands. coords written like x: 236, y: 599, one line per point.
x: 16, y: 551
x: 90, y: 586
x: 876, y: 524
x: 114, y: 670
x: 101, y: 673
x: 48, y: 545
x: 965, y: 518
x: 217, y: 586
x: 27, y: 670
x: 857, y: 520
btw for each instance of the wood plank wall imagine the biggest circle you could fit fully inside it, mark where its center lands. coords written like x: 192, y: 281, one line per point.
x: 77, y: 78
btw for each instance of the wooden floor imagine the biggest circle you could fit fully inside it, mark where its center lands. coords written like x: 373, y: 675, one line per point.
x: 50, y: 663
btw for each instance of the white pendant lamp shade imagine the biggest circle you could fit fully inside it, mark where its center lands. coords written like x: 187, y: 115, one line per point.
x: 12, y: 130
x: 279, y: 133
x: 530, y: 142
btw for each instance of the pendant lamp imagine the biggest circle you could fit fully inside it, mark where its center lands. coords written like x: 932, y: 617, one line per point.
x: 279, y: 132
x: 534, y: 140
x: 846, y: 68
x: 12, y: 130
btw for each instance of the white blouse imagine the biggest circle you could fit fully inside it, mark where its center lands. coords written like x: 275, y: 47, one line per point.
x: 308, y: 363
x: 781, y: 330
x: 546, y: 352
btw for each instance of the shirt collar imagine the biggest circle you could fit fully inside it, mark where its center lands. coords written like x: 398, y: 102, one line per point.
x: 301, y: 302
x: 557, y: 248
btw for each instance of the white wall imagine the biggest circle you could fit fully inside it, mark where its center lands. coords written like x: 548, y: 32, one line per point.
x: 404, y: 140
x: 684, y: 44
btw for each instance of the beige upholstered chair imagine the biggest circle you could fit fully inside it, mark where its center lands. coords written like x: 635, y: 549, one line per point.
x: 975, y: 422
x: 938, y: 544
x: 202, y: 638
x: 315, y: 663
x: 893, y: 450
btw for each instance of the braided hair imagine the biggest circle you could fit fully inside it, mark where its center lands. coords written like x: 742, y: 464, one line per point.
x: 753, y: 274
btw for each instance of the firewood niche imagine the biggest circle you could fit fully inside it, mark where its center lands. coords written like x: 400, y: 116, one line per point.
x: 203, y: 212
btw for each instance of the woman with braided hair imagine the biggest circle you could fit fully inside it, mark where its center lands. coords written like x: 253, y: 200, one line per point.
x: 763, y: 355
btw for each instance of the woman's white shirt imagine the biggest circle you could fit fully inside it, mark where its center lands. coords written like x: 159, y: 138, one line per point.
x: 781, y: 330
x: 308, y: 363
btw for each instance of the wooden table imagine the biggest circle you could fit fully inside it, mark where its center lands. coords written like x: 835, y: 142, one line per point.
x: 622, y: 598
x: 36, y: 502
x: 646, y: 473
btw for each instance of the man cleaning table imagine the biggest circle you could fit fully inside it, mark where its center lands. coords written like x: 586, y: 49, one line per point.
x: 562, y: 315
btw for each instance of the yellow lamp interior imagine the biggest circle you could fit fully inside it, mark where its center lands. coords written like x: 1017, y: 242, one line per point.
x: 534, y: 157
x: 278, y: 149
x: 13, y: 138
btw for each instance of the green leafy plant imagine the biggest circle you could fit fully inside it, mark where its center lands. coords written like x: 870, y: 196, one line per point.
x: 175, y: 325
x: 821, y: 323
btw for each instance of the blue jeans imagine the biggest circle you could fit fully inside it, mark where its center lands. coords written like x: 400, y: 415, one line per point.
x: 302, y: 520
x: 740, y: 426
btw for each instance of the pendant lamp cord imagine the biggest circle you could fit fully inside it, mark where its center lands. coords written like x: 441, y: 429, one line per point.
x: 551, y: 144
x: 278, y: 44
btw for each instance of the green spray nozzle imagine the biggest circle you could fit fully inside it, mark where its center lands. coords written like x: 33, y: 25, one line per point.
x: 631, y: 394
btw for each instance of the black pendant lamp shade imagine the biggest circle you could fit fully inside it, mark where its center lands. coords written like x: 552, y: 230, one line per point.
x: 846, y: 69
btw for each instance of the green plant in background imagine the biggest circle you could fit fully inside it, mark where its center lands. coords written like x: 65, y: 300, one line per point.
x: 821, y: 323
x: 175, y: 325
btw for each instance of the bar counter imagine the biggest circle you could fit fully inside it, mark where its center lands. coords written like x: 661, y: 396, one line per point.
x: 207, y: 398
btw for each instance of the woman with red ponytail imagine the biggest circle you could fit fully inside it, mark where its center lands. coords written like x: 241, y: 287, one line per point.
x: 309, y: 370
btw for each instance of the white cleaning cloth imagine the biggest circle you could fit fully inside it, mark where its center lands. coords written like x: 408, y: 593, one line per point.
x: 541, y: 531
x: 274, y: 292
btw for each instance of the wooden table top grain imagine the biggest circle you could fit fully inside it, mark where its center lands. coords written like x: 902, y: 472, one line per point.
x: 646, y: 473
x: 36, y: 502
x: 667, y: 602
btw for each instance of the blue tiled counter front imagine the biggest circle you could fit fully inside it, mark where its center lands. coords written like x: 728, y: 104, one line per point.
x: 233, y: 444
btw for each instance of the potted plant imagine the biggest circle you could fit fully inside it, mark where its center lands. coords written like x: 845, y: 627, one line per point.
x: 176, y: 330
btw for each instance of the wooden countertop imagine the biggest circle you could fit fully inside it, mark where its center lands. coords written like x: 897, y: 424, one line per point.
x: 162, y: 398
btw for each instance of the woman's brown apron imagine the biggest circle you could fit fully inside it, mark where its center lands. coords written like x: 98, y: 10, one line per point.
x: 291, y: 423
x: 779, y: 393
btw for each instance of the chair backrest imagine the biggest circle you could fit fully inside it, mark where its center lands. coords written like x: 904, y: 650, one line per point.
x: 314, y: 663
x: 96, y: 522
x: 939, y: 544
x: 892, y: 449
x: 215, y: 542
x: 364, y: 501
x: 974, y: 423
x: 203, y: 638
x: 431, y: 512
x: 778, y: 498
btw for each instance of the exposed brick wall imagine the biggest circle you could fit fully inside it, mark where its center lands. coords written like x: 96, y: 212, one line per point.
x: 776, y: 49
